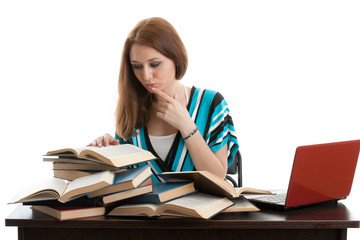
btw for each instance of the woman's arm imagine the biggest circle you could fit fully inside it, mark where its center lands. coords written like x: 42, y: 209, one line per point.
x: 204, y: 158
x: 171, y: 111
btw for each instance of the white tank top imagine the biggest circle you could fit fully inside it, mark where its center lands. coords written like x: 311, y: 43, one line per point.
x: 162, y: 144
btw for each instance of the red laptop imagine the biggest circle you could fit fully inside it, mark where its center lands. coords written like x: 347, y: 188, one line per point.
x: 320, y: 173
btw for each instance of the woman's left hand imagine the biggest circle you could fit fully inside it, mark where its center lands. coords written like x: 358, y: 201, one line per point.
x: 173, y: 112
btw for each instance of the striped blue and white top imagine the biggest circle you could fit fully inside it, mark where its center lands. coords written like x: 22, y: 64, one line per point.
x: 211, y: 114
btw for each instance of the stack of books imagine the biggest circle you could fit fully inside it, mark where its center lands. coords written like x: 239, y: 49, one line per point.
x: 212, y: 196
x: 87, y: 179
x: 72, y: 163
x: 114, y: 187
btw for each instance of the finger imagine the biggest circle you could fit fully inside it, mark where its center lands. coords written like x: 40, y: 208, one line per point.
x: 106, y: 140
x: 162, y: 107
x: 162, y: 95
x: 109, y: 140
x: 160, y: 115
x: 99, y: 141
x: 92, y: 144
x: 115, y: 142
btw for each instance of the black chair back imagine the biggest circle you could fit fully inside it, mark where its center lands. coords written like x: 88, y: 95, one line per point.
x: 235, y: 168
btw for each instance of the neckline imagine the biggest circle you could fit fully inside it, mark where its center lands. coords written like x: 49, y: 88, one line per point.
x: 165, y: 136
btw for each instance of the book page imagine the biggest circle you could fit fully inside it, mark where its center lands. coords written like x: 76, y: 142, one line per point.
x: 241, y: 205
x: 241, y: 202
x: 194, y: 200
x: 123, y: 150
x: 48, y: 189
x: 88, y: 183
x: 196, y: 205
x: 119, y: 155
x: 148, y: 209
x: 63, y: 151
x: 244, y: 190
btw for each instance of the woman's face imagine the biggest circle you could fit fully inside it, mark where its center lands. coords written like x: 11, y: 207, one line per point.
x: 151, y: 68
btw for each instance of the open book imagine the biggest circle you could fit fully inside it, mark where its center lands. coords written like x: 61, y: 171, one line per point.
x: 209, y: 183
x: 63, y: 190
x: 198, y: 205
x: 117, y: 156
x: 241, y: 204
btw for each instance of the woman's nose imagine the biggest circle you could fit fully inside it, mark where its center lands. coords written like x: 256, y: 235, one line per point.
x: 147, y: 73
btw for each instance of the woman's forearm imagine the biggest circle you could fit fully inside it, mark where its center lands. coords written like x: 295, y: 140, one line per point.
x: 204, y: 158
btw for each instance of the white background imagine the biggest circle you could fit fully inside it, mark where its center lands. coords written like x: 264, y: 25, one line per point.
x: 288, y: 69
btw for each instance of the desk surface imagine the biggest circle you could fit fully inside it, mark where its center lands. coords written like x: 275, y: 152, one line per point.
x: 332, y: 215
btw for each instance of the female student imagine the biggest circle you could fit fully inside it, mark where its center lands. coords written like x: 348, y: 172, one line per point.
x: 186, y: 128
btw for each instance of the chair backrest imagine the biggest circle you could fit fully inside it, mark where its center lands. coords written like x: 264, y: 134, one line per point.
x: 235, y: 168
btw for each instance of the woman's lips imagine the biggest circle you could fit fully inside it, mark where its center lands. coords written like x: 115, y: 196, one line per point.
x: 150, y: 86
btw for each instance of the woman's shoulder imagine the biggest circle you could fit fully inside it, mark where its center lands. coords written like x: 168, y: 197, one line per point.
x: 207, y: 93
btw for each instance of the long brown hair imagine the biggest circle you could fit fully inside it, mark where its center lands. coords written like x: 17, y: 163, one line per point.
x: 134, y: 102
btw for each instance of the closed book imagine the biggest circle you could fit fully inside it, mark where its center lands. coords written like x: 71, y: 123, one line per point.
x: 163, y: 192
x: 71, y: 164
x: 67, y: 212
x: 144, y: 188
x: 129, y: 179
x: 82, y: 201
x: 71, y: 175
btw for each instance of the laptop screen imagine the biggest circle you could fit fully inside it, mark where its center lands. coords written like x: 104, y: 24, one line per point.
x: 322, y: 172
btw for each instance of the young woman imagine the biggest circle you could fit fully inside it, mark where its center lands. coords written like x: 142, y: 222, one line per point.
x: 186, y: 128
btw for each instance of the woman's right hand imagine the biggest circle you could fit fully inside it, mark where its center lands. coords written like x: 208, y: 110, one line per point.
x: 104, y: 141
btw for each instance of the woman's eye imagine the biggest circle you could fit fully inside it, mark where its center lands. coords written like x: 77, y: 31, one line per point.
x: 136, y: 66
x: 155, y: 64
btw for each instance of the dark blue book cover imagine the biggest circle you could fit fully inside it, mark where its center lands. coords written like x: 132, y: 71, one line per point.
x: 129, y: 175
x: 163, y: 192
x: 129, y: 179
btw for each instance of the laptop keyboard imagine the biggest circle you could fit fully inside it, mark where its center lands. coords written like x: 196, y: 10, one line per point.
x: 276, y: 198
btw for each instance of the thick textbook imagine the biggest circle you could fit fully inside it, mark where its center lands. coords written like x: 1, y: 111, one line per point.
x: 81, y: 165
x: 71, y: 175
x: 63, y: 213
x: 64, y: 191
x: 198, y: 205
x: 117, y: 156
x: 129, y: 179
x: 163, y: 192
x: 144, y: 188
x: 209, y: 183
x: 82, y: 201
